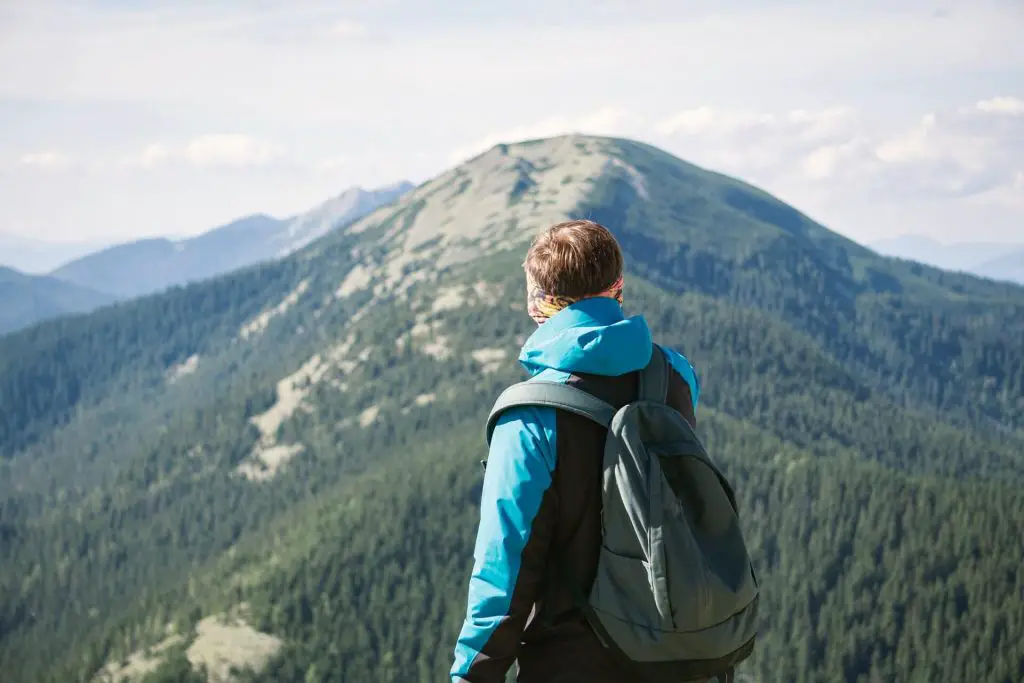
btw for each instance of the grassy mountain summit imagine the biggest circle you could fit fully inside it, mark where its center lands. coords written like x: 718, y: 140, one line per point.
x: 290, y: 450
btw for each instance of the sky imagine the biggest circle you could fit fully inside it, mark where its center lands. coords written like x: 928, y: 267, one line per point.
x: 121, y: 120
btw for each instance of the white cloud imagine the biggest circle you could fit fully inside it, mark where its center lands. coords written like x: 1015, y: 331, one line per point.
x: 230, y: 150
x: 46, y: 159
x: 709, y: 121
x: 720, y: 124
x: 219, y: 150
x: 823, y: 162
x: 153, y: 155
x: 334, y: 163
x: 967, y: 152
x: 762, y: 145
x: 960, y: 152
x: 1002, y: 105
x: 347, y: 29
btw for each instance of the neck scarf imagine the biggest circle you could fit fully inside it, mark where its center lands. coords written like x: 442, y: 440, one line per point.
x: 541, y: 305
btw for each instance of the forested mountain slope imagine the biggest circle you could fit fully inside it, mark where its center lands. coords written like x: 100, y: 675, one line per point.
x: 297, y: 443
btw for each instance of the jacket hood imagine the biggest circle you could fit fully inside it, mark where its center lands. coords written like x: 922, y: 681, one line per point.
x: 590, y: 336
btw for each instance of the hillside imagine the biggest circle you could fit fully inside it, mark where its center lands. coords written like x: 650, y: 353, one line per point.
x: 289, y: 452
x: 26, y: 299
x: 152, y: 265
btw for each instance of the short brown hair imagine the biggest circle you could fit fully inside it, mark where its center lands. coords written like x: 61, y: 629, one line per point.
x: 574, y: 259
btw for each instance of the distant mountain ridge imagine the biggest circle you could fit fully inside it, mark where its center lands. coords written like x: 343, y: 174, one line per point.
x: 129, y: 270
x: 1006, y: 267
x: 26, y: 299
x: 151, y: 265
x: 137, y: 268
x: 36, y: 256
x: 996, y: 260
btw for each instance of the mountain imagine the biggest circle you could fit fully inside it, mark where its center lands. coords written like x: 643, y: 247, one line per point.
x: 346, y: 207
x: 151, y: 265
x: 275, y: 471
x: 987, y: 259
x: 31, y: 298
x: 1008, y: 266
x: 36, y: 257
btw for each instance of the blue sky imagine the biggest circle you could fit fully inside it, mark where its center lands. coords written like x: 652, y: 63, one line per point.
x: 121, y: 120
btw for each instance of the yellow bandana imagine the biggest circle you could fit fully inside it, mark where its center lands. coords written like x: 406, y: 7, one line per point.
x: 542, y: 305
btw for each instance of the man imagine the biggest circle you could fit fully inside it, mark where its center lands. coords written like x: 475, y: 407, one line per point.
x: 540, y: 511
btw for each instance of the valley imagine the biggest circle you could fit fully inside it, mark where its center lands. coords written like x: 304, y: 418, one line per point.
x: 286, y: 456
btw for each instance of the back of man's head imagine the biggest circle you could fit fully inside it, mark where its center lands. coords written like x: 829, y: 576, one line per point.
x: 571, y: 261
x: 574, y: 259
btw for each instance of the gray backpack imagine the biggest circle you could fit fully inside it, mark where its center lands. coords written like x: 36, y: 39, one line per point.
x: 675, y: 597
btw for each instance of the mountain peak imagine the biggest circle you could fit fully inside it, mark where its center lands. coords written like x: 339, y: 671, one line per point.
x: 503, y: 196
x: 493, y: 201
x: 350, y: 205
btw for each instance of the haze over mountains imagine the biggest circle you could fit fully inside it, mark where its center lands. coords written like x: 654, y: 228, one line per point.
x: 37, y: 257
x: 987, y: 259
x: 137, y: 268
x: 285, y: 457
x: 1009, y: 266
x: 25, y: 299
x: 147, y: 266
x: 142, y: 267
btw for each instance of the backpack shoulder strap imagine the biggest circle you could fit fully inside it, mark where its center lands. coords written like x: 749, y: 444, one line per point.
x: 654, y: 378
x: 552, y: 395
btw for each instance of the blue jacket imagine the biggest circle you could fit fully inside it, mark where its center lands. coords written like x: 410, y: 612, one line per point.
x: 594, y: 337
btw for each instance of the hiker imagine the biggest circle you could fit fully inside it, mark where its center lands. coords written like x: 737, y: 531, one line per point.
x: 539, y: 539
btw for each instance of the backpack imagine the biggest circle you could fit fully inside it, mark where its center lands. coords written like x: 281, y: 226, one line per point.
x: 675, y: 596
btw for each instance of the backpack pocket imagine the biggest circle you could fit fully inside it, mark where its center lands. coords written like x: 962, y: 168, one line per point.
x: 622, y: 591
x: 709, y: 574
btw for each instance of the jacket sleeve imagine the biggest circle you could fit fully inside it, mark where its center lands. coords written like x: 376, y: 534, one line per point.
x: 681, y: 364
x: 516, y: 523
